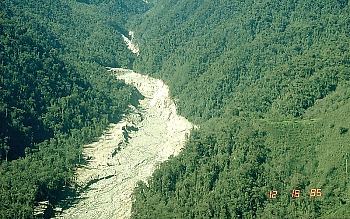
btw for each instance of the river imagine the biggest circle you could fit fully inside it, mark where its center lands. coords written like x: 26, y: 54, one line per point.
x: 129, y: 151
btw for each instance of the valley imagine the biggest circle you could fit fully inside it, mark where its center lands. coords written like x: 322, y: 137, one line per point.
x: 144, y: 138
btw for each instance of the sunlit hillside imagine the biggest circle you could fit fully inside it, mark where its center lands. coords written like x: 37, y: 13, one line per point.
x: 268, y: 83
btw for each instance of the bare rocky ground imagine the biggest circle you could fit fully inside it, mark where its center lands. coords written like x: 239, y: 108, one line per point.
x: 129, y: 151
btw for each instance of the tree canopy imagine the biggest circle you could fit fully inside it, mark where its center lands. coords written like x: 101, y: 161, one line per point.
x: 55, y: 94
x: 267, y: 82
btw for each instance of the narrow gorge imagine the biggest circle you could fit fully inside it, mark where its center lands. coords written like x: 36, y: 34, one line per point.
x: 129, y: 151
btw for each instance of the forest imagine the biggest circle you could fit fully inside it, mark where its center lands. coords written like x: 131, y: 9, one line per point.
x: 268, y: 83
x: 55, y: 94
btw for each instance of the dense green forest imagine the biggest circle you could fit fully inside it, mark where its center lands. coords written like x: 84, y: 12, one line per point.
x: 55, y: 93
x: 268, y: 83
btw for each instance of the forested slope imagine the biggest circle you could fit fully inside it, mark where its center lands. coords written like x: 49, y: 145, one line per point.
x: 267, y: 81
x: 55, y: 93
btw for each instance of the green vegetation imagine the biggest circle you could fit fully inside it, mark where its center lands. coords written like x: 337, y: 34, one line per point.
x: 55, y: 93
x: 268, y: 83
x: 266, y: 80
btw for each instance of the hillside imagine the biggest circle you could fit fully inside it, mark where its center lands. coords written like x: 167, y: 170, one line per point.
x: 55, y: 93
x: 268, y: 82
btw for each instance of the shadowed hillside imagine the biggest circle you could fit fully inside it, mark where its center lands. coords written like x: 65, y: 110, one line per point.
x: 55, y: 93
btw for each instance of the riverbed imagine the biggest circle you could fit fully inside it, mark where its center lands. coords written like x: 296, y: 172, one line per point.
x: 129, y: 151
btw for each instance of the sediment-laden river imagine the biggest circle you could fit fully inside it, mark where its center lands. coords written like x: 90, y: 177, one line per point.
x: 129, y: 151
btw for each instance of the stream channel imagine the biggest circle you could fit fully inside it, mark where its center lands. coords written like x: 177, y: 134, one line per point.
x: 128, y: 151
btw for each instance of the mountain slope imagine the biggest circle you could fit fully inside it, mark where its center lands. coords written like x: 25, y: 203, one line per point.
x: 55, y: 93
x: 273, y: 45
x: 268, y: 83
